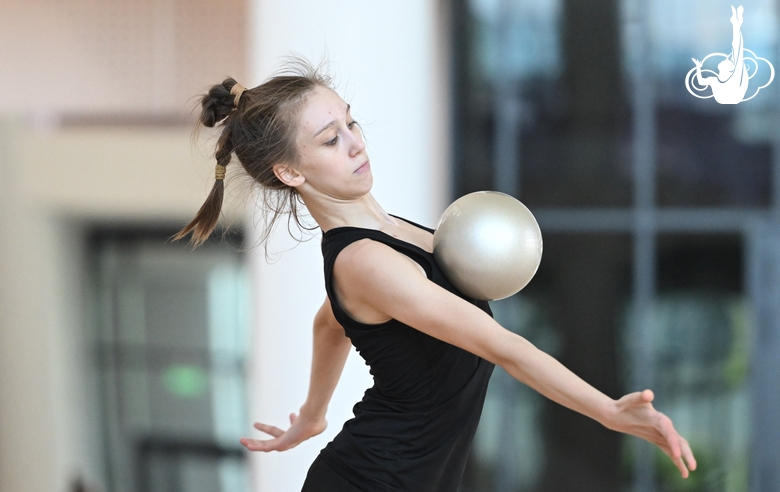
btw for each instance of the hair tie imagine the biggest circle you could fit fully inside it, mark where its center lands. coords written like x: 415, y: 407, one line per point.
x: 219, y: 172
x: 236, y: 91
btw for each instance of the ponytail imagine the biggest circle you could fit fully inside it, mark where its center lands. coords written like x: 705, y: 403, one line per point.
x: 206, y: 219
x: 217, y: 106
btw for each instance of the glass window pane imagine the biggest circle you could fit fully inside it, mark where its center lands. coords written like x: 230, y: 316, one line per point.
x: 700, y: 348
x: 541, y: 107
x: 172, y: 339
x: 711, y: 154
x: 572, y: 310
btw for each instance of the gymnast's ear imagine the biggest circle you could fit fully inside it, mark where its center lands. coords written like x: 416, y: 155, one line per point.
x: 288, y: 175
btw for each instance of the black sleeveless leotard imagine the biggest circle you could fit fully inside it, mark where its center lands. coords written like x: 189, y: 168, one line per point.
x: 414, y: 427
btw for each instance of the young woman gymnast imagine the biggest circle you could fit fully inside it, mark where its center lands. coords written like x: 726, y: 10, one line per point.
x: 430, y: 349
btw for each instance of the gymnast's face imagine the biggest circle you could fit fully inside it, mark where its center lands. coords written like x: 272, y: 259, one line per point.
x: 332, y: 155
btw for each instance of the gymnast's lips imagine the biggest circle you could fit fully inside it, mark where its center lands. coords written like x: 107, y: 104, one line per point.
x: 364, y: 167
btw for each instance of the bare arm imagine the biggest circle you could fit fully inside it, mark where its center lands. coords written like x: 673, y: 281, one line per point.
x: 330, y: 350
x: 701, y: 80
x: 377, y: 279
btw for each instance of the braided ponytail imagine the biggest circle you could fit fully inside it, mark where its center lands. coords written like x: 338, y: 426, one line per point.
x: 217, y: 105
x: 206, y: 219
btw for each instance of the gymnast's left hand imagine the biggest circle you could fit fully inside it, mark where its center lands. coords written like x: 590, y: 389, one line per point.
x: 301, y: 428
x: 634, y: 414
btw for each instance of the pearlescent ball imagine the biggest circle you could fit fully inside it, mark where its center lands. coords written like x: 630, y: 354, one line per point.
x: 488, y: 245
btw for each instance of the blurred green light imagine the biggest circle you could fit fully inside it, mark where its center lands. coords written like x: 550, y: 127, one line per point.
x: 185, y: 381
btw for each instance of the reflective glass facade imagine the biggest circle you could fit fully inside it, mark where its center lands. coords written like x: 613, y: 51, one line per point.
x: 659, y: 212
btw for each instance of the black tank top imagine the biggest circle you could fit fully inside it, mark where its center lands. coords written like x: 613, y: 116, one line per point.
x: 413, y: 429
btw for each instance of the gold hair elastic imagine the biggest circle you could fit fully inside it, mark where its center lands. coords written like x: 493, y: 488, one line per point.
x: 219, y: 173
x: 236, y: 91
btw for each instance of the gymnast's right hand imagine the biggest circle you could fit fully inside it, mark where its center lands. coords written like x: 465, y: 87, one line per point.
x: 301, y: 428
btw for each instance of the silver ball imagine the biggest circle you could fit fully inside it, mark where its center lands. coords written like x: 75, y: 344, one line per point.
x: 488, y: 245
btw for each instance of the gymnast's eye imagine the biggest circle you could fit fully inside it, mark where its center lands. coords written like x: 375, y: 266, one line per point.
x: 332, y: 142
x: 352, y: 124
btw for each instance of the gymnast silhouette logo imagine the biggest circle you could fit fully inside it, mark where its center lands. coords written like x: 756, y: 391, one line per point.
x: 735, y: 70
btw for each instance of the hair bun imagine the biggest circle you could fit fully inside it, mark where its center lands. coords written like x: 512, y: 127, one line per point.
x: 218, y: 102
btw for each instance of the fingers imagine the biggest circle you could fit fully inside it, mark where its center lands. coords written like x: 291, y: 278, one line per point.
x: 677, y: 459
x: 282, y: 439
x: 638, y: 398
x: 671, y: 436
x: 681, y: 466
x: 258, y: 445
x: 679, y: 450
x: 269, y: 429
x: 648, y: 395
x: 688, y: 455
x: 279, y: 443
x: 642, y: 420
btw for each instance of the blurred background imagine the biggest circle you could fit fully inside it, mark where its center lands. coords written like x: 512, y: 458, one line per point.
x: 132, y: 364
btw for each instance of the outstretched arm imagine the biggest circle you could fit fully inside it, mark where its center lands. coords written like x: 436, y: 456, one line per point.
x: 374, y: 276
x: 330, y: 351
x: 701, y: 80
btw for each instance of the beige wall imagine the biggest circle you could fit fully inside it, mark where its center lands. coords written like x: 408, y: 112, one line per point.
x: 124, y: 56
x: 53, y: 184
x: 114, y: 173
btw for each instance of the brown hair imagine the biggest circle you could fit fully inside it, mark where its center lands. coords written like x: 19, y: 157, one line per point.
x: 261, y: 132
